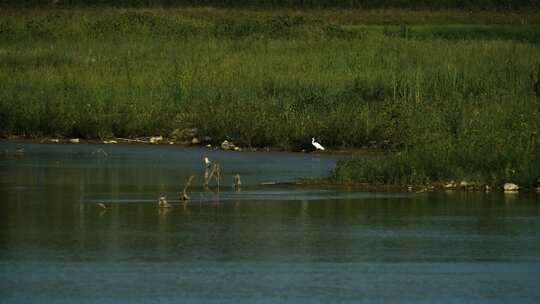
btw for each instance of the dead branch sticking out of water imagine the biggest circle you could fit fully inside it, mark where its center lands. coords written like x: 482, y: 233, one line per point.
x: 215, y: 171
x: 237, y: 182
x: 185, y: 197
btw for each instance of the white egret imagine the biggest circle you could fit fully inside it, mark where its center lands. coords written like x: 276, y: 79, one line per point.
x: 317, y: 145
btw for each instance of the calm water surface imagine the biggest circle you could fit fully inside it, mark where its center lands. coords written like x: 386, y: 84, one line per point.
x: 260, y: 245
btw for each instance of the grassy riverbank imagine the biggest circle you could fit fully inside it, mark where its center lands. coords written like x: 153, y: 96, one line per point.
x: 454, y: 92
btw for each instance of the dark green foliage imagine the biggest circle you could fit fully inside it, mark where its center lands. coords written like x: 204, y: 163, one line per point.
x: 410, y: 4
x: 468, y: 32
x: 537, y: 83
x: 136, y: 23
x: 483, y: 142
x: 339, y: 32
x: 275, y: 27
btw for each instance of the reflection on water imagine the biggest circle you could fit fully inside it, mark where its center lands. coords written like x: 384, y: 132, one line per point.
x: 263, y: 244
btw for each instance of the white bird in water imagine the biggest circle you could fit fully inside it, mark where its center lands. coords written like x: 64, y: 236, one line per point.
x: 317, y: 145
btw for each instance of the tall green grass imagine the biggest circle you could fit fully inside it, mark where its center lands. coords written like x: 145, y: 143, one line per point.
x: 404, y: 4
x: 455, y: 105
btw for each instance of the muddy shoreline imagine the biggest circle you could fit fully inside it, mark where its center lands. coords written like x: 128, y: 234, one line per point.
x: 448, y: 186
x: 165, y: 142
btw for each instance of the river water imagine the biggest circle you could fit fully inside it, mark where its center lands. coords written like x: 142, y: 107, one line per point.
x: 263, y: 244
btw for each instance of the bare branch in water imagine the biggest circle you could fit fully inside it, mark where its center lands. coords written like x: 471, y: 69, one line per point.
x: 215, y: 170
x: 237, y: 182
x: 185, y: 197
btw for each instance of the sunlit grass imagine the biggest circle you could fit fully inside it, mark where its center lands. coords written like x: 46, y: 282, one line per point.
x: 456, y: 100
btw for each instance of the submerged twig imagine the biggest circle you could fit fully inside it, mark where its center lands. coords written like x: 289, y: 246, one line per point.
x: 218, y: 175
x: 100, y: 152
x: 19, y: 152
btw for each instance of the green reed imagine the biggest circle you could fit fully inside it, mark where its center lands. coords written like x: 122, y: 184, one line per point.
x: 455, y: 104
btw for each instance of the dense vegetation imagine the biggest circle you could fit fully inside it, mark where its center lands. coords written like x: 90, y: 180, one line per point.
x: 407, y: 4
x: 454, y: 93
